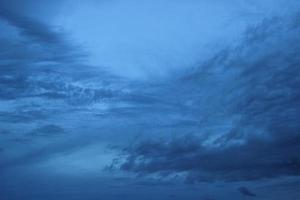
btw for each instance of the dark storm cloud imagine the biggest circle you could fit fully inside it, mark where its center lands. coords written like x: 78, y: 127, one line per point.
x: 255, y: 160
x: 257, y: 83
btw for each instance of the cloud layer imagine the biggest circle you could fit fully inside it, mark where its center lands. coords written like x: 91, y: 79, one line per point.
x: 257, y: 90
x: 227, y: 124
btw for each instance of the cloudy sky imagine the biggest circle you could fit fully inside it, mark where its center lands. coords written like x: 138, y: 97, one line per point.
x: 149, y: 99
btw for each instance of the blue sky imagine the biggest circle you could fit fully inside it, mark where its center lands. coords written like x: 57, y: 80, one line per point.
x: 143, y: 99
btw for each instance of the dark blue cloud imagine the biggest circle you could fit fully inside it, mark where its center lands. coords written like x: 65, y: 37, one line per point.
x: 257, y: 83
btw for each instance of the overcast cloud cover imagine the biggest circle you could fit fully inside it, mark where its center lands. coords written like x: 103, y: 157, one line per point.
x: 149, y: 99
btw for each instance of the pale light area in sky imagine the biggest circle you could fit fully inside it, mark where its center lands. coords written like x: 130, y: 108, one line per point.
x: 148, y: 39
x: 144, y: 39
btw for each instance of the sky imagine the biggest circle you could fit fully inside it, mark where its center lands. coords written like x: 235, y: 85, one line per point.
x: 149, y: 99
